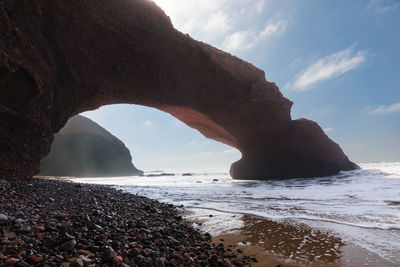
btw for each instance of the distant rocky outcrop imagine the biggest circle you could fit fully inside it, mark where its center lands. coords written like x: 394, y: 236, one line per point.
x: 60, y: 58
x: 84, y: 149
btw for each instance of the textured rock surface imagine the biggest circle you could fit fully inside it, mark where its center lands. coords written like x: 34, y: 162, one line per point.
x: 59, y: 58
x: 84, y: 149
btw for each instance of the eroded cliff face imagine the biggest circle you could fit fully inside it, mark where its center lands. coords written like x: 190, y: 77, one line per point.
x: 84, y: 149
x: 59, y: 58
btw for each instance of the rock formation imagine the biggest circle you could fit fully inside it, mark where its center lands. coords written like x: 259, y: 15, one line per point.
x: 59, y: 58
x: 84, y: 149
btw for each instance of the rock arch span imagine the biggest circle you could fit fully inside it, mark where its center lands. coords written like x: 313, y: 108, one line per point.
x: 60, y: 58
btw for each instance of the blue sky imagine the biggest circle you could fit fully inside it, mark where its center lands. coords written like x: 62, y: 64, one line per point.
x: 338, y: 61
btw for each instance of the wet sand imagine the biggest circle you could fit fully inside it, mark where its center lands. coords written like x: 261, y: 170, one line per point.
x: 289, y: 243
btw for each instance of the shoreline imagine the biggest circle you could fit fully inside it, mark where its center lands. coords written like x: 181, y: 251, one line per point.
x: 321, y: 249
x: 53, y: 222
x: 287, y: 243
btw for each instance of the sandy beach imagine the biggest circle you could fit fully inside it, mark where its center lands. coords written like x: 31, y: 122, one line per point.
x: 288, y: 243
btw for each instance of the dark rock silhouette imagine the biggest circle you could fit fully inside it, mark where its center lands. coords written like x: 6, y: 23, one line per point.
x: 60, y: 58
x: 84, y: 149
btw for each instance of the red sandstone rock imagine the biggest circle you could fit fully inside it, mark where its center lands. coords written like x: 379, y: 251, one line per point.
x: 59, y: 58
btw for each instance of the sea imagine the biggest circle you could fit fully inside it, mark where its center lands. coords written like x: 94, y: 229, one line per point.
x: 362, y: 207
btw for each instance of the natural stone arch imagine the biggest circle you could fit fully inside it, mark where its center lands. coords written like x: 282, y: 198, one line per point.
x: 73, y: 56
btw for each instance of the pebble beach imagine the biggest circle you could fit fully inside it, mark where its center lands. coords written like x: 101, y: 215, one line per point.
x: 56, y: 223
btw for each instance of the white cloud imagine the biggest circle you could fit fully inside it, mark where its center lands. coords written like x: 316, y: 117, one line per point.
x: 226, y: 24
x: 271, y: 29
x: 327, y: 68
x: 244, y: 40
x: 382, y: 6
x: 230, y: 151
x: 148, y: 123
x: 259, y: 6
x: 382, y: 109
x: 218, y: 23
x: 241, y: 40
x: 197, y: 18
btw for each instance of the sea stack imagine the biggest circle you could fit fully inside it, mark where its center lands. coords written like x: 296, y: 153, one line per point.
x: 59, y: 58
x: 84, y: 149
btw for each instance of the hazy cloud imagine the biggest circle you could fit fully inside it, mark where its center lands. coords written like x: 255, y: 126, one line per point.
x: 327, y: 68
x: 271, y: 29
x: 199, y: 143
x: 296, y: 61
x: 231, y: 151
x: 244, y: 40
x: 218, y: 23
x: 382, y: 109
x: 241, y: 40
x: 382, y: 6
x: 148, y: 123
x: 259, y: 6
x: 328, y: 130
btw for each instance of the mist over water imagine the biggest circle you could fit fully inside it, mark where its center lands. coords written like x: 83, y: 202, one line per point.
x: 362, y: 206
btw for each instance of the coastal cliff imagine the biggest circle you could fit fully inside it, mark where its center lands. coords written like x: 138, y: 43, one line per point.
x: 60, y: 58
x: 84, y: 149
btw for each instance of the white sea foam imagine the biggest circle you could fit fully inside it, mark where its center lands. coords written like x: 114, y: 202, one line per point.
x: 367, y: 200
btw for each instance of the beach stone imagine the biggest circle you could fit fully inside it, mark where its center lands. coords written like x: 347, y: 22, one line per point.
x: 157, y: 235
x: 9, y: 235
x: 4, y: 185
x: 85, y: 259
x: 98, y: 227
x: 22, y: 263
x: 135, y: 251
x: 77, y: 263
x: 117, y: 260
x: 109, y: 254
x: 49, y: 242
x: 141, y: 224
x: 69, y: 245
x: 213, y: 261
x: 160, y: 263
x: 83, y: 252
x: 73, y: 240
x: 10, y: 261
x: 25, y: 229
x: 39, y: 228
x: 237, y: 262
x: 60, y: 215
x: 3, y: 218
x: 36, y: 258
